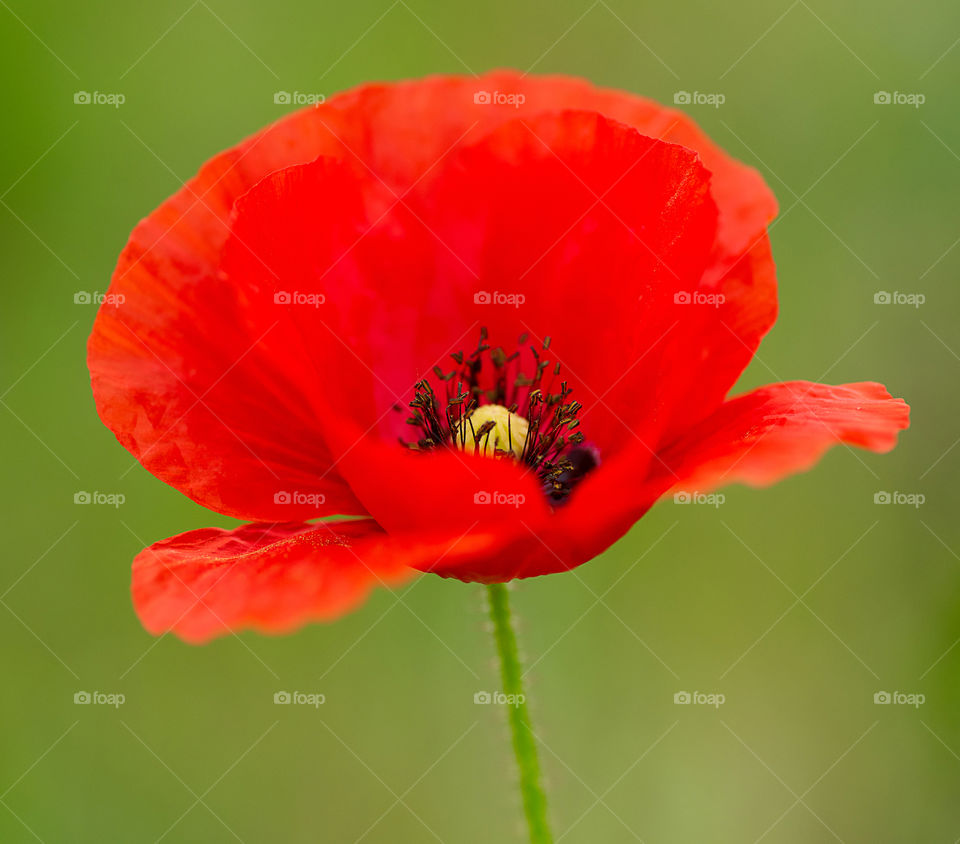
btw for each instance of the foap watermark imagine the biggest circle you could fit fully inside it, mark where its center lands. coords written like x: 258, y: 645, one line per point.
x: 295, y: 297
x: 885, y: 297
x: 499, y: 98
x: 115, y: 699
x: 698, y: 297
x: 898, y: 98
x: 499, y: 698
x: 714, y: 699
x: 299, y: 699
x: 95, y: 297
x: 715, y: 499
x: 98, y: 98
x: 297, y: 98
x: 484, y: 297
x: 912, y: 499
x: 310, y: 499
x: 914, y: 699
x: 699, y: 98
x: 512, y: 499
x: 114, y: 499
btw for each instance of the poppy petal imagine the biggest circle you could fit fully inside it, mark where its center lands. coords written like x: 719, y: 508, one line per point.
x: 212, y: 403
x: 399, y: 130
x: 209, y: 394
x: 717, y: 332
x: 758, y: 438
x: 533, y: 539
x: 272, y: 578
x: 778, y: 430
x: 604, y: 295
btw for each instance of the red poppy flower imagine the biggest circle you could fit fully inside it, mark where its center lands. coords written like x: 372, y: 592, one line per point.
x: 496, y: 318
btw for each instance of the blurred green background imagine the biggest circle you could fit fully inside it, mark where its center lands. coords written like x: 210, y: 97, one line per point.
x: 797, y: 603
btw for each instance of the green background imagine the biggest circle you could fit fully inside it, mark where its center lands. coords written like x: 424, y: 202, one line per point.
x: 797, y: 603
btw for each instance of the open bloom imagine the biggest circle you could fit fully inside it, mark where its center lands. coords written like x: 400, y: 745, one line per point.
x: 496, y: 319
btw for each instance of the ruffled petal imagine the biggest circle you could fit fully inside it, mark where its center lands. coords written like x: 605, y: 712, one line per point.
x: 272, y: 578
x: 209, y: 394
x: 775, y: 431
x: 408, y: 127
x: 717, y: 331
x: 212, y: 407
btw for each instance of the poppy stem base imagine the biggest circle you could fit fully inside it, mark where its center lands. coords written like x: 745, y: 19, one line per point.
x: 521, y: 731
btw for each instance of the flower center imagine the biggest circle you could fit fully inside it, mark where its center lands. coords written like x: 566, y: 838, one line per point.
x: 477, y: 412
x: 491, y: 430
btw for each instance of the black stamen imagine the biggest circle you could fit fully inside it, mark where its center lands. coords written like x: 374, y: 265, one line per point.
x: 553, y: 447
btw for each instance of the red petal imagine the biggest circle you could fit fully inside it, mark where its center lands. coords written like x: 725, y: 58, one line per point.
x: 757, y: 438
x: 765, y: 435
x: 598, y: 227
x: 711, y: 345
x: 518, y: 208
x: 535, y: 540
x: 400, y: 130
x: 212, y: 407
x: 209, y: 394
x: 715, y: 346
x: 272, y: 578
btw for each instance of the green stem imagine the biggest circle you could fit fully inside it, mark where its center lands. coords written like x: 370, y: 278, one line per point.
x: 524, y: 742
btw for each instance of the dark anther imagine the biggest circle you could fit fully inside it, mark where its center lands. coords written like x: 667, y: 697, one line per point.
x: 553, y: 447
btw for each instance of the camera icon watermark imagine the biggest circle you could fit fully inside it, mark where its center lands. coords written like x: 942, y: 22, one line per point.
x: 914, y: 699
x: 698, y: 297
x: 286, y: 297
x: 299, y: 699
x: 498, y: 698
x: 94, y: 297
x: 298, y: 98
x: 898, y: 98
x: 113, y: 499
x: 714, y: 499
x: 912, y: 499
x: 714, y: 699
x: 483, y: 297
x: 99, y: 699
x: 510, y: 499
x: 698, y: 98
x: 499, y: 98
x: 308, y: 499
x: 885, y: 297
x: 98, y: 98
